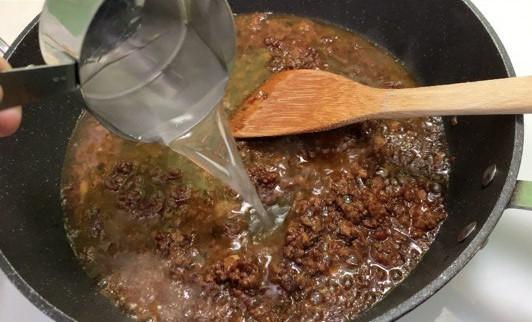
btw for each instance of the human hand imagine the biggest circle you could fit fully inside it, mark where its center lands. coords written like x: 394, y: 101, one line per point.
x: 9, y: 118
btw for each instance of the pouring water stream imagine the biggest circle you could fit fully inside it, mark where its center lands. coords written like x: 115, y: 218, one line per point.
x: 209, y: 143
x: 156, y: 71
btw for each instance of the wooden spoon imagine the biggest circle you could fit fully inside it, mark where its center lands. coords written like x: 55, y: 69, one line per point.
x: 302, y: 101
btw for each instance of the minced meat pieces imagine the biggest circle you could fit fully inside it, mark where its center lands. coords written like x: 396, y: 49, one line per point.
x: 263, y: 178
x: 355, y: 208
x: 242, y: 273
x: 292, y: 53
x: 387, y: 253
x: 119, y: 175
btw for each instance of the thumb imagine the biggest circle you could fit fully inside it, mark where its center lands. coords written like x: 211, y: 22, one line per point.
x: 10, y: 118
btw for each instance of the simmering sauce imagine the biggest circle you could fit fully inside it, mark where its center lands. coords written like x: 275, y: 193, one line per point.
x: 167, y: 242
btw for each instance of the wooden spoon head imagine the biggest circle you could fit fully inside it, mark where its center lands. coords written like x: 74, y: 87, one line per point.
x: 303, y: 101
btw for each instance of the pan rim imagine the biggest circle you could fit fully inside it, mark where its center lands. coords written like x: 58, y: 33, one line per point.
x: 479, y: 240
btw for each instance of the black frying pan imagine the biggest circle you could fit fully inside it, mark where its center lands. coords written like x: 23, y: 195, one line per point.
x: 440, y: 42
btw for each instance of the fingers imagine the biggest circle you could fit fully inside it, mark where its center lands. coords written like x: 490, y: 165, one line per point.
x: 4, y: 65
x: 10, y: 118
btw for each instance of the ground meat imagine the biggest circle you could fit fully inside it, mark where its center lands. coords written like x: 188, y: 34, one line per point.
x: 233, y: 227
x: 178, y: 196
x: 355, y: 208
x: 167, y: 243
x: 348, y: 230
x: 142, y: 198
x: 173, y: 175
x: 410, y: 144
x: 290, y: 54
x: 119, y: 175
x: 180, y: 254
x: 426, y: 218
x: 240, y: 272
x: 96, y: 223
x: 180, y: 265
x: 288, y: 277
x: 263, y: 178
x: 133, y: 200
x: 387, y: 253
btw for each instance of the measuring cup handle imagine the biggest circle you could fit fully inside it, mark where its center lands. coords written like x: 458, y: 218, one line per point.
x: 32, y: 84
x: 3, y: 47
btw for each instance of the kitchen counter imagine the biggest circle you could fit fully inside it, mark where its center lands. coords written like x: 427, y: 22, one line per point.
x: 495, y: 286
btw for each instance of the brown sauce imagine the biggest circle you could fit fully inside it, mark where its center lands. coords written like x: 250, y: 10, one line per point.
x: 166, y: 242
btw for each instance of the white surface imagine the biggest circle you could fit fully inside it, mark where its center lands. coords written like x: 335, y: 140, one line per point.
x: 495, y: 286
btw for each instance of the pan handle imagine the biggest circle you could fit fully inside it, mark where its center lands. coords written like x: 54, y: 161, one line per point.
x: 31, y: 84
x: 522, y: 197
x: 34, y: 83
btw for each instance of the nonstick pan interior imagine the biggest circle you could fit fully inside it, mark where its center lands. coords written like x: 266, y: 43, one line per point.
x: 439, y: 41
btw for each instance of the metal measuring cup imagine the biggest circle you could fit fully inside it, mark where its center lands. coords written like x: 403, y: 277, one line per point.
x: 144, y: 67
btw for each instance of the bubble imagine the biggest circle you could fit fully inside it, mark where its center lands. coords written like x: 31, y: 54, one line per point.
x: 347, y: 199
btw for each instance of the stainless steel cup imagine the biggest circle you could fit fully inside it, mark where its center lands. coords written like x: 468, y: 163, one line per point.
x: 146, y: 68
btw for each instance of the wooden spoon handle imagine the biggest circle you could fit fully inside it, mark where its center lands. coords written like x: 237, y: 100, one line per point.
x: 500, y: 96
